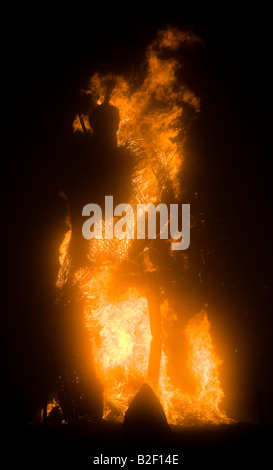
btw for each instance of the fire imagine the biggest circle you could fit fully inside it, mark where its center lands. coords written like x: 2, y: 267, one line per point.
x: 121, y: 338
x: 203, y: 365
x: 202, y: 361
x: 64, y: 259
x: 154, y: 122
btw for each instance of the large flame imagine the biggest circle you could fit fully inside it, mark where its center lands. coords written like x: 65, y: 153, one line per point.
x: 203, y: 404
x: 155, y: 114
x: 120, y: 346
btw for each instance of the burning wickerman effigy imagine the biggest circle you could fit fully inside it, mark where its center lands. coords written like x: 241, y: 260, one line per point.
x: 117, y: 287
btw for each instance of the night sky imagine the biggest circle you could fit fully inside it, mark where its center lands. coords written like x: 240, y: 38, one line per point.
x: 46, y: 58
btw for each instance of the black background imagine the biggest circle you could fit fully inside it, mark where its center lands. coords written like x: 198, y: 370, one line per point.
x: 46, y: 57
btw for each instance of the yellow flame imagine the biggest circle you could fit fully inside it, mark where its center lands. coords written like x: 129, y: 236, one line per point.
x: 120, y: 335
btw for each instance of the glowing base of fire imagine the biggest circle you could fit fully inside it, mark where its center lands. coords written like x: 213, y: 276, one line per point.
x: 121, y: 347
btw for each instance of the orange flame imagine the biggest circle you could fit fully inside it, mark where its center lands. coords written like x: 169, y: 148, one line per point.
x: 153, y: 115
x: 64, y: 260
x: 203, y: 365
